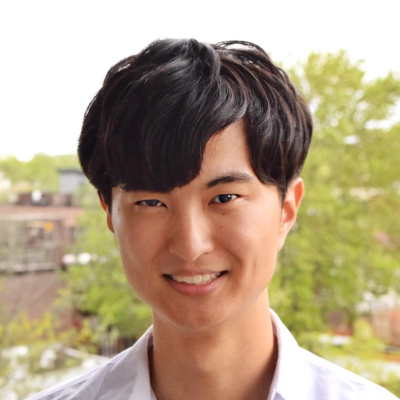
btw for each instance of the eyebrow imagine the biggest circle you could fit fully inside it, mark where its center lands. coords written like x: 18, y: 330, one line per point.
x: 237, y: 177
x: 234, y: 176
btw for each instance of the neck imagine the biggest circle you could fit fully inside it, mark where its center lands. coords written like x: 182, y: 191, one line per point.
x: 235, y: 359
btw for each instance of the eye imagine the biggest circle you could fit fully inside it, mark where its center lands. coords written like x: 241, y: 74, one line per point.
x: 224, y: 198
x: 150, y: 203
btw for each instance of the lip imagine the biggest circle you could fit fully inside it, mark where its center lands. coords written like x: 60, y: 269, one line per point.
x: 196, y: 290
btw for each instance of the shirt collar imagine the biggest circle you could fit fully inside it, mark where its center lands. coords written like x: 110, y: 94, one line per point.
x: 288, y: 381
x: 131, y: 374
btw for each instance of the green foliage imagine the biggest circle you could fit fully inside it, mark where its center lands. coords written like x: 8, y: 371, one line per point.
x: 391, y: 383
x: 22, y: 330
x: 23, y: 342
x: 346, y: 239
x: 363, y: 339
x: 40, y: 172
x: 363, y: 344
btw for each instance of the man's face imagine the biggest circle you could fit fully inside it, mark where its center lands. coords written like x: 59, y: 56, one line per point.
x: 222, y: 231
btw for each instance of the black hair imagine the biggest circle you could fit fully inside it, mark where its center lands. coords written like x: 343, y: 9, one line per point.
x: 147, y: 127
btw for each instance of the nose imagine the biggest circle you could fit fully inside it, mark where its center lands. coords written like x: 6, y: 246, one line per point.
x: 190, y: 236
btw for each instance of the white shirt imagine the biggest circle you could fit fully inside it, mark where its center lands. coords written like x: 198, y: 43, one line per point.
x: 299, y: 375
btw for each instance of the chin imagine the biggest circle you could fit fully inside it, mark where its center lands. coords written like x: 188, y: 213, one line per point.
x: 194, y: 318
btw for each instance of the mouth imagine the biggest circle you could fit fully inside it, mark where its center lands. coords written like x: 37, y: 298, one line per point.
x: 195, y: 279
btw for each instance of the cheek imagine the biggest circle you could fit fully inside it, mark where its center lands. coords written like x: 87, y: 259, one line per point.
x: 255, y: 231
x: 251, y: 237
x: 138, y: 246
x: 135, y: 238
x: 136, y: 257
x: 254, y: 245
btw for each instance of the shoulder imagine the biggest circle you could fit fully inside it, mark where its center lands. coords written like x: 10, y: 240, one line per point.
x: 326, y: 377
x: 86, y: 386
x: 123, y: 375
x: 303, y: 375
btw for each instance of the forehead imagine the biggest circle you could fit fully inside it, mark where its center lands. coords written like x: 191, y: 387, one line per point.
x: 226, y: 151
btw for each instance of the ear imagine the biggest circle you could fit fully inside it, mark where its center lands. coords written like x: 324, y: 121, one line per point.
x: 290, y: 207
x: 105, y: 207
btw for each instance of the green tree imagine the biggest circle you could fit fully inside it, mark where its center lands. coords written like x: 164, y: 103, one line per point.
x: 24, y: 341
x: 40, y: 172
x: 346, y: 239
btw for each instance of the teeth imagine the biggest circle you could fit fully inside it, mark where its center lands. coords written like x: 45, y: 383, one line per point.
x: 197, y: 279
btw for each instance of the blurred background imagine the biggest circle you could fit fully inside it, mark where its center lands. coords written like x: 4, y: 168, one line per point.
x: 65, y: 306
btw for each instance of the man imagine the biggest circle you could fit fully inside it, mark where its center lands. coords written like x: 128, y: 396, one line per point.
x: 196, y: 150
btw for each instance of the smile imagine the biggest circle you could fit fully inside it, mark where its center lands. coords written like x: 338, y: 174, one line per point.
x: 196, y: 279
